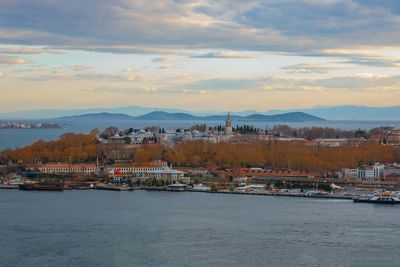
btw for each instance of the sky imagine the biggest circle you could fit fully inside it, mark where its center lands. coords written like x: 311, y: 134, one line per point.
x: 198, y: 55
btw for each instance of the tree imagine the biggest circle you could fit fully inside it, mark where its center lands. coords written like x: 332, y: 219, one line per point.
x: 148, y: 182
x: 360, y: 133
x: 199, y: 127
x: 159, y: 182
x: 95, y: 132
x: 70, y: 146
x: 110, y: 131
x: 142, y: 155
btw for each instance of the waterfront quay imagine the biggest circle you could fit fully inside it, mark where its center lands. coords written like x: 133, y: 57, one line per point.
x: 289, y: 186
x: 319, y: 194
x: 159, y: 175
x: 184, y: 188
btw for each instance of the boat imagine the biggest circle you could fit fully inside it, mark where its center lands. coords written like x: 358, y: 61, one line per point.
x: 385, y: 198
x: 45, y: 186
x: 315, y: 193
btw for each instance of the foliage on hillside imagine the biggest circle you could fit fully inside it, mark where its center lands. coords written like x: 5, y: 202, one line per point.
x: 267, y: 154
x: 271, y: 154
x: 279, y: 154
x: 70, y: 147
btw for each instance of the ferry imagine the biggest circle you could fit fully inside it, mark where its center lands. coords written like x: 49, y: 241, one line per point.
x: 45, y: 186
x: 385, y: 198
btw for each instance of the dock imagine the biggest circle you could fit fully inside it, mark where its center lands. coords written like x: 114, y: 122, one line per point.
x: 9, y: 186
x: 261, y: 193
x: 114, y: 188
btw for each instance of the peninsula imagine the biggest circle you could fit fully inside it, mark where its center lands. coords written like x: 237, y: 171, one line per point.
x: 28, y: 125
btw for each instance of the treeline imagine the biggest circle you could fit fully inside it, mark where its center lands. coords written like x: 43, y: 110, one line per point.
x: 70, y: 147
x: 269, y: 154
x: 311, y: 133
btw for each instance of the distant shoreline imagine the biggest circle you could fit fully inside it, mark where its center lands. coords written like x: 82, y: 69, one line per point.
x: 4, y: 125
x: 43, y: 128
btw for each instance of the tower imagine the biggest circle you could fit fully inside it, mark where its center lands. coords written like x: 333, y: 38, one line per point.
x: 228, y: 124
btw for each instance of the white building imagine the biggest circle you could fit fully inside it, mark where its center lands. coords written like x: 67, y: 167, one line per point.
x: 369, y: 174
x: 379, y: 170
x: 116, y: 139
x: 141, y: 136
x: 173, y: 176
x: 353, y: 173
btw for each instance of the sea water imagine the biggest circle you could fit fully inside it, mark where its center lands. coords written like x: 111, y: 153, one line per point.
x: 142, y: 228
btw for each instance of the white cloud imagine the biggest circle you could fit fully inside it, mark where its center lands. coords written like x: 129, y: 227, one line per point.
x: 167, y: 59
x: 172, y: 27
x: 361, y: 56
x: 28, y: 50
x: 191, y: 91
x: 312, y: 68
x: 151, y: 89
x: 128, y: 70
x: 81, y: 68
x: 125, y: 49
x: 63, y: 75
x: 361, y: 82
x: 13, y: 60
x: 167, y: 66
x: 111, y: 89
x: 226, y: 54
x: 59, y: 71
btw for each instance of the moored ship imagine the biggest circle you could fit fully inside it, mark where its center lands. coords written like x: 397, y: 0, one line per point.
x: 385, y: 198
x: 45, y: 186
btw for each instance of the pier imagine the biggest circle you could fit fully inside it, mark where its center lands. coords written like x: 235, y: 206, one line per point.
x: 261, y: 193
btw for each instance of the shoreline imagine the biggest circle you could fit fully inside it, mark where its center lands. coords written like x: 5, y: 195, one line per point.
x: 120, y: 188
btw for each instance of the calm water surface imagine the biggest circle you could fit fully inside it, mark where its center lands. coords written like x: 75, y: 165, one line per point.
x: 139, y: 228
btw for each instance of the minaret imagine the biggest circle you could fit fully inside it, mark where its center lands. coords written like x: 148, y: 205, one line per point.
x: 228, y: 124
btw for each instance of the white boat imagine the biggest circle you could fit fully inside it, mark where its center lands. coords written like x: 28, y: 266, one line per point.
x: 385, y: 198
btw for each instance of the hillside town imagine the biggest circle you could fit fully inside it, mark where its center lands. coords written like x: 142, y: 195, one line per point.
x: 157, y: 158
x: 310, y: 136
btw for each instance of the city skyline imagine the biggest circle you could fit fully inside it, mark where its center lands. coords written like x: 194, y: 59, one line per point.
x: 199, y: 55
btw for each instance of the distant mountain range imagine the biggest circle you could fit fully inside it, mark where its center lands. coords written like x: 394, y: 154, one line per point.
x: 328, y: 112
x: 54, y: 113
x: 161, y: 115
x: 349, y: 112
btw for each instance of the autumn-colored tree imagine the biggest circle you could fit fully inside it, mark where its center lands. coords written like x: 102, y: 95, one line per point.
x: 110, y: 131
x: 236, y: 154
x: 142, y: 155
x: 277, y: 154
x: 70, y: 147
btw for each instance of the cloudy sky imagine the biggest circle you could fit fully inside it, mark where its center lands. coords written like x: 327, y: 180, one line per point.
x: 198, y: 54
